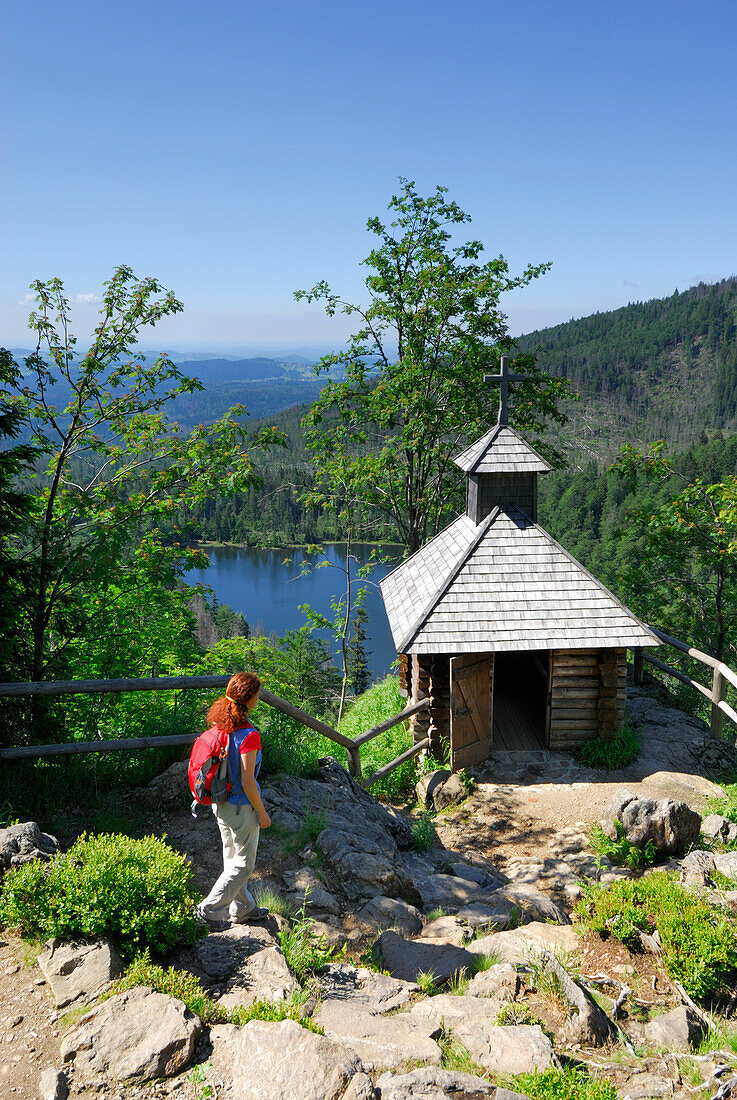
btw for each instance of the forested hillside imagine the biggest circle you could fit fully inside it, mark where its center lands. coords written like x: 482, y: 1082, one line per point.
x: 666, y: 369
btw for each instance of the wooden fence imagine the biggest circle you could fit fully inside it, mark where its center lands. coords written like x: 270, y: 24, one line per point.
x: 721, y: 676
x: 176, y: 683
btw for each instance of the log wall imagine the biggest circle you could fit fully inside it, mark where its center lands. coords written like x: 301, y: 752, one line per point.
x: 439, y: 730
x: 588, y: 689
x: 485, y: 491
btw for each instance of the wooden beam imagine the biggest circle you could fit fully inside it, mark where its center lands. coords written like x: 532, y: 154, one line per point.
x: 395, y: 763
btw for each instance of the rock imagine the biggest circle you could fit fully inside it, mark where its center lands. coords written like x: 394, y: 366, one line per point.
x: 532, y: 903
x: 648, y: 1086
x: 360, y: 1087
x: 137, y: 1035
x: 218, y: 956
x: 518, y: 944
x: 450, y: 929
x: 717, y: 827
x: 588, y: 1024
x: 78, y: 970
x: 697, y: 869
x: 449, y: 793
x: 264, y: 976
x: 381, y: 913
x: 450, y: 892
x: 168, y: 790
x: 366, y: 867
x: 23, y: 842
x: 379, y: 1041
x: 680, y: 1029
x: 473, y: 874
x: 671, y: 825
x: 281, y: 1061
x: 307, y: 888
x: 479, y: 915
x: 429, y: 784
x: 501, y: 981
x: 406, y: 959
x: 726, y: 863
x: 364, y: 988
x: 53, y: 1085
x: 432, y: 1083
x: 520, y: 1049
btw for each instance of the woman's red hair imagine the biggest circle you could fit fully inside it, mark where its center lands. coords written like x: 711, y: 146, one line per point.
x: 230, y: 711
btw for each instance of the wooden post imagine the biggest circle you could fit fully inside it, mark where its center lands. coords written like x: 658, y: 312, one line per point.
x: 718, y: 693
x: 638, y: 675
x: 354, y: 762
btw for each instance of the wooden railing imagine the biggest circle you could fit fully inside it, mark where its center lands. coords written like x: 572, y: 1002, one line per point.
x: 177, y: 683
x: 722, y: 675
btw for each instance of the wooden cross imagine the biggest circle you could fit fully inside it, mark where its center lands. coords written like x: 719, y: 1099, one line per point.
x: 504, y: 378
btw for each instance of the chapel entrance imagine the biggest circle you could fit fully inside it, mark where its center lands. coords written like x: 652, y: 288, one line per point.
x: 520, y: 699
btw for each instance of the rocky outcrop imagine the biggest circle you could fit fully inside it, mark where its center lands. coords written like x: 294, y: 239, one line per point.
x: 380, y: 1042
x: 680, y: 1029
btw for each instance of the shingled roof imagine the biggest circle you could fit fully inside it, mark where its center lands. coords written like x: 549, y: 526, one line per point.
x: 501, y: 586
x: 501, y: 451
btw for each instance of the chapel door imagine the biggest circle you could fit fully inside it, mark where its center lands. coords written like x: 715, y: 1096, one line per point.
x: 470, y: 709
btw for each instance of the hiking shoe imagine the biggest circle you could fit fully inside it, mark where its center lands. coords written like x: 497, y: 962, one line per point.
x: 211, y: 923
x: 259, y: 913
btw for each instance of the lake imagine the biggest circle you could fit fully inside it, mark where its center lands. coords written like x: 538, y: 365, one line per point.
x: 268, y: 592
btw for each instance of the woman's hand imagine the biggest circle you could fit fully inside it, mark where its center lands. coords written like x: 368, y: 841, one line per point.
x: 264, y: 820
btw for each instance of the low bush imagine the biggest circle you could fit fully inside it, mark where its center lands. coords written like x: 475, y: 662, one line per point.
x: 621, y: 851
x: 697, y: 938
x: 615, y: 752
x: 304, y: 951
x: 563, y: 1084
x: 423, y: 832
x: 136, y: 890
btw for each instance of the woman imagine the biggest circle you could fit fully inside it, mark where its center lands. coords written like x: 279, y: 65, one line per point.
x: 242, y: 817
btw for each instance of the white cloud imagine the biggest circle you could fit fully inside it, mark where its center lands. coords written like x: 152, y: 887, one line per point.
x: 87, y: 299
x: 27, y: 298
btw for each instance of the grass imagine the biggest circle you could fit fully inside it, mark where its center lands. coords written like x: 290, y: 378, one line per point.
x: 458, y: 984
x: 457, y: 1058
x: 484, y: 962
x: 269, y: 898
x: 423, y: 832
x: 726, y: 805
x: 380, y: 702
x: 615, y: 752
x: 621, y: 851
x: 428, y: 983
x: 314, y: 821
x: 435, y: 914
x: 304, y: 951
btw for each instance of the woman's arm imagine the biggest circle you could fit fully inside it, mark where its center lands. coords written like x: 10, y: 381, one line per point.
x: 250, y: 787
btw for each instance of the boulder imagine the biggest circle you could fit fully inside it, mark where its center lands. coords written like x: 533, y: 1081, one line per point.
x: 672, y: 826
x: 381, y: 913
x: 717, y: 827
x: 220, y: 955
x: 521, y: 1049
x: 364, y: 988
x: 306, y: 888
x: 360, y: 1087
x: 429, y: 784
x: 697, y: 869
x: 648, y: 1086
x: 469, y: 871
x: 78, y: 971
x: 532, y: 904
x: 432, y: 1083
x: 281, y: 1061
x: 680, y: 1029
x: 23, y: 842
x: 450, y: 793
x: 264, y: 976
x: 479, y: 915
x: 53, y: 1085
x: 588, y: 1023
x: 450, y: 929
x: 379, y: 1041
x: 168, y: 790
x: 451, y: 892
x: 726, y: 863
x: 406, y: 959
x: 501, y: 981
x: 137, y: 1035
x: 519, y: 944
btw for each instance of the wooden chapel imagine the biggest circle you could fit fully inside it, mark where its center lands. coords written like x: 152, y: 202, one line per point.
x: 515, y: 644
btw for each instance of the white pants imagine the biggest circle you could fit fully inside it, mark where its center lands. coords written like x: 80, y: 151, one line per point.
x: 239, y: 831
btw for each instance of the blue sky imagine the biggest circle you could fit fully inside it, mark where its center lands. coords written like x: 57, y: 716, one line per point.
x: 236, y: 149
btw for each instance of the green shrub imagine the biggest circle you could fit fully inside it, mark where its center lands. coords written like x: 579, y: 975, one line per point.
x: 621, y: 851
x: 423, y: 832
x: 380, y: 702
x: 697, y: 939
x: 615, y: 752
x: 563, y: 1084
x: 137, y: 891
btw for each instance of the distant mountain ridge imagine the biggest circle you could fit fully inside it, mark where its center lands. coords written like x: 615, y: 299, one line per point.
x: 666, y: 368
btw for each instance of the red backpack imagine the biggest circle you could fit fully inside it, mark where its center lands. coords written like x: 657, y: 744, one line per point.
x: 208, y: 767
